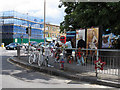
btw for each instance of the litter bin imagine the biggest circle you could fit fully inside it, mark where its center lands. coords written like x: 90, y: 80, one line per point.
x: 2, y: 45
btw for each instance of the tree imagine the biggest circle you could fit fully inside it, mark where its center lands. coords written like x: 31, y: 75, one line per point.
x: 88, y: 14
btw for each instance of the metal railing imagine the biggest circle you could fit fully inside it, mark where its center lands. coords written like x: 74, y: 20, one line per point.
x: 110, y: 56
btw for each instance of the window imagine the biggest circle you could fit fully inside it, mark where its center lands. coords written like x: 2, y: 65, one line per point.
x: 46, y: 28
x: 24, y: 23
x: 8, y: 21
x: 41, y: 25
x: 53, y: 28
x: 58, y: 29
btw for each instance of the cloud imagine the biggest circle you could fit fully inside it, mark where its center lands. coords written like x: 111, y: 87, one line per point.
x: 36, y: 8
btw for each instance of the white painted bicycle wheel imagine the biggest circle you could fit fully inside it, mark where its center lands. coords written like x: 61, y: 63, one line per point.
x: 45, y: 62
x: 40, y: 60
x: 31, y: 58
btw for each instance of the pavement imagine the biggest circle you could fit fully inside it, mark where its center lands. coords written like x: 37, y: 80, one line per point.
x: 71, y: 71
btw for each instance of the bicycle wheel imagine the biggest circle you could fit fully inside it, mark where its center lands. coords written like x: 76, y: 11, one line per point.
x: 46, y: 62
x: 40, y: 60
x: 31, y: 58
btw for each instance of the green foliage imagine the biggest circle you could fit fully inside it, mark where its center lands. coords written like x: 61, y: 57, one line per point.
x: 88, y: 14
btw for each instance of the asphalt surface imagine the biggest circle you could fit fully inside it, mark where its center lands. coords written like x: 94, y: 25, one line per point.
x: 14, y: 76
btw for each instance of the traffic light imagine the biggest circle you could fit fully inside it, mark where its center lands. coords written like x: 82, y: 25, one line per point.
x: 27, y: 30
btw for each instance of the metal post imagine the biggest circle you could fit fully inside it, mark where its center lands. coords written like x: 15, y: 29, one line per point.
x: 22, y: 38
x: 97, y: 59
x: 18, y: 51
x: 63, y: 52
x: 28, y: 35
x: 29, y: 38
x: 44, y: 19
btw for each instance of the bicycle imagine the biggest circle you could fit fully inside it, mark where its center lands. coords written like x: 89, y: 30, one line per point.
x: 57, y: 55
x: 43, y: 57
x: 45, y: 62
x: 46, y: 55
x: 33, y: 57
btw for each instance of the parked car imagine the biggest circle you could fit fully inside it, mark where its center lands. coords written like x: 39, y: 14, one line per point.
x: 25, y: 45
x: 32, y: 43
x: 12, y: 46
x: 35, y: 44
x: 46, y: 44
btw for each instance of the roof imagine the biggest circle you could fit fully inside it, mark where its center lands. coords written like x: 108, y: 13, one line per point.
x: 52, y: 25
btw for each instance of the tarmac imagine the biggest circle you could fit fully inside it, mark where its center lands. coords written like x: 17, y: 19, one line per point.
x: 71, y: 71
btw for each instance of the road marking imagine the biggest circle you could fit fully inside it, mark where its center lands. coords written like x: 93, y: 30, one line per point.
x: 17, y: 64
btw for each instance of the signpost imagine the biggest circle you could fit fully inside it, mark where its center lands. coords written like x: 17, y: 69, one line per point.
x: 28, y: 31
x: 99, y: 64
x: 29, y: 34
x: 21, y: 39
x: 44, y: 22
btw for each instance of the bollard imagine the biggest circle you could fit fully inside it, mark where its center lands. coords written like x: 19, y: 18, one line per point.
x: 2, y: 45
x: 62, y: 64
x: 18, y: 51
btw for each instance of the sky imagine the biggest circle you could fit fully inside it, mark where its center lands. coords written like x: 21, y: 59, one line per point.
x: 54, y: 15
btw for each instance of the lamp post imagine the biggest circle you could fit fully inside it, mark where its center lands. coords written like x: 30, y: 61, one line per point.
x: 29, y: 32
x: 44, y: 19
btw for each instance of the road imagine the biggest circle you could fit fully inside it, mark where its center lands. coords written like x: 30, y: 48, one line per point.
x: 18, y: 77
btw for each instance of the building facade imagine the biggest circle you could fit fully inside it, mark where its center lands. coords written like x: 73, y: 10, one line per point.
x: 53, y: 32
x: 13, y: 27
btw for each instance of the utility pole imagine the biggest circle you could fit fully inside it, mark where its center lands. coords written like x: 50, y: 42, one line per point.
x: 29, y: 34
x: 44, y: 19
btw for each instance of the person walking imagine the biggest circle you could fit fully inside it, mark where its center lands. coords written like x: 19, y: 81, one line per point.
x: 80, y: 45
x: 80, y: 59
